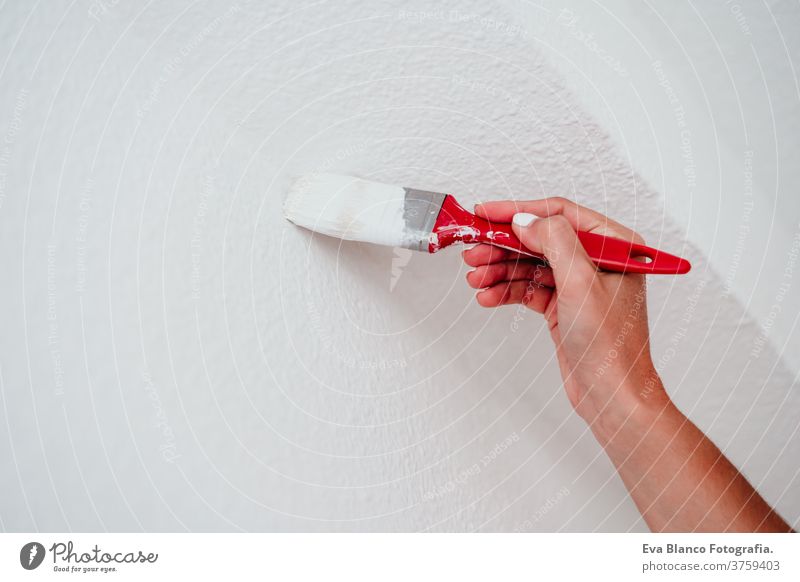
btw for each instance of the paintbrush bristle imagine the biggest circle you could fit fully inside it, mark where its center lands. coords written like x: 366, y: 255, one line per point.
x: 348, y: 208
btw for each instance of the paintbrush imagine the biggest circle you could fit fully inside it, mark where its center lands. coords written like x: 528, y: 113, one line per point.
x: 360, y: 210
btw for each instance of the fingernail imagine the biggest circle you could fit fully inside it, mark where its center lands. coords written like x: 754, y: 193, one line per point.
x: 523, y: 219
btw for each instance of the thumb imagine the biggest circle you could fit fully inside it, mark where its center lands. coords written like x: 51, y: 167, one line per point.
x: 555, y: 238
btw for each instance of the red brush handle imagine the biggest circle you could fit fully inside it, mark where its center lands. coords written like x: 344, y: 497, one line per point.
x: 456, y: 225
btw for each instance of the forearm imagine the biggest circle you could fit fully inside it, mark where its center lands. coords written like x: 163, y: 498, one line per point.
x: 678, y: 478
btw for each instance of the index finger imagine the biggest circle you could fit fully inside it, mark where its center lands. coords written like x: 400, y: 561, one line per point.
x: 580, y: 217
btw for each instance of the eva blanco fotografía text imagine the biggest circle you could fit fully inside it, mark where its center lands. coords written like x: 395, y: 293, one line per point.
x: 712, y: 549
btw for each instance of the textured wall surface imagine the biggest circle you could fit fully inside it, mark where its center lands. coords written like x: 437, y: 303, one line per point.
x: 703, y: 99
x: 174, y: 355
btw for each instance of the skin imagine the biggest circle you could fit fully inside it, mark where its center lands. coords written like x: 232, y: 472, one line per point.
x: 679, y: 480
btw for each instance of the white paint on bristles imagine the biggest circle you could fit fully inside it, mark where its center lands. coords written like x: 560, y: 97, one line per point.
x: 349, y: 208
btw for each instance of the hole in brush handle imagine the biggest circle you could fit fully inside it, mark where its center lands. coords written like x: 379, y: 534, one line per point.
x: 615, y: 254
x: 608, y: 253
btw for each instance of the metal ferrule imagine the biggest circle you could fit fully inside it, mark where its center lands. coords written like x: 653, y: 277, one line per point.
x: 420, y: 211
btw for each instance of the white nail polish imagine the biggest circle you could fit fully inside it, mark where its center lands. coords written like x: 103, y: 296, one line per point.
x: 523, y: 219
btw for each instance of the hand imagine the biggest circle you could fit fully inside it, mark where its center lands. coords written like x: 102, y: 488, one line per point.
x: 597, y: 319
x: 676, y: 476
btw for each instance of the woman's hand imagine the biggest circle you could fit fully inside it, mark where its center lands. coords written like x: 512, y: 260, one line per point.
x: 597, y: 320
x: 676, y: 476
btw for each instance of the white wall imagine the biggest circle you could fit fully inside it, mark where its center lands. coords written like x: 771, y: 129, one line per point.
x: 176, y: 356
x: 702, y: 99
